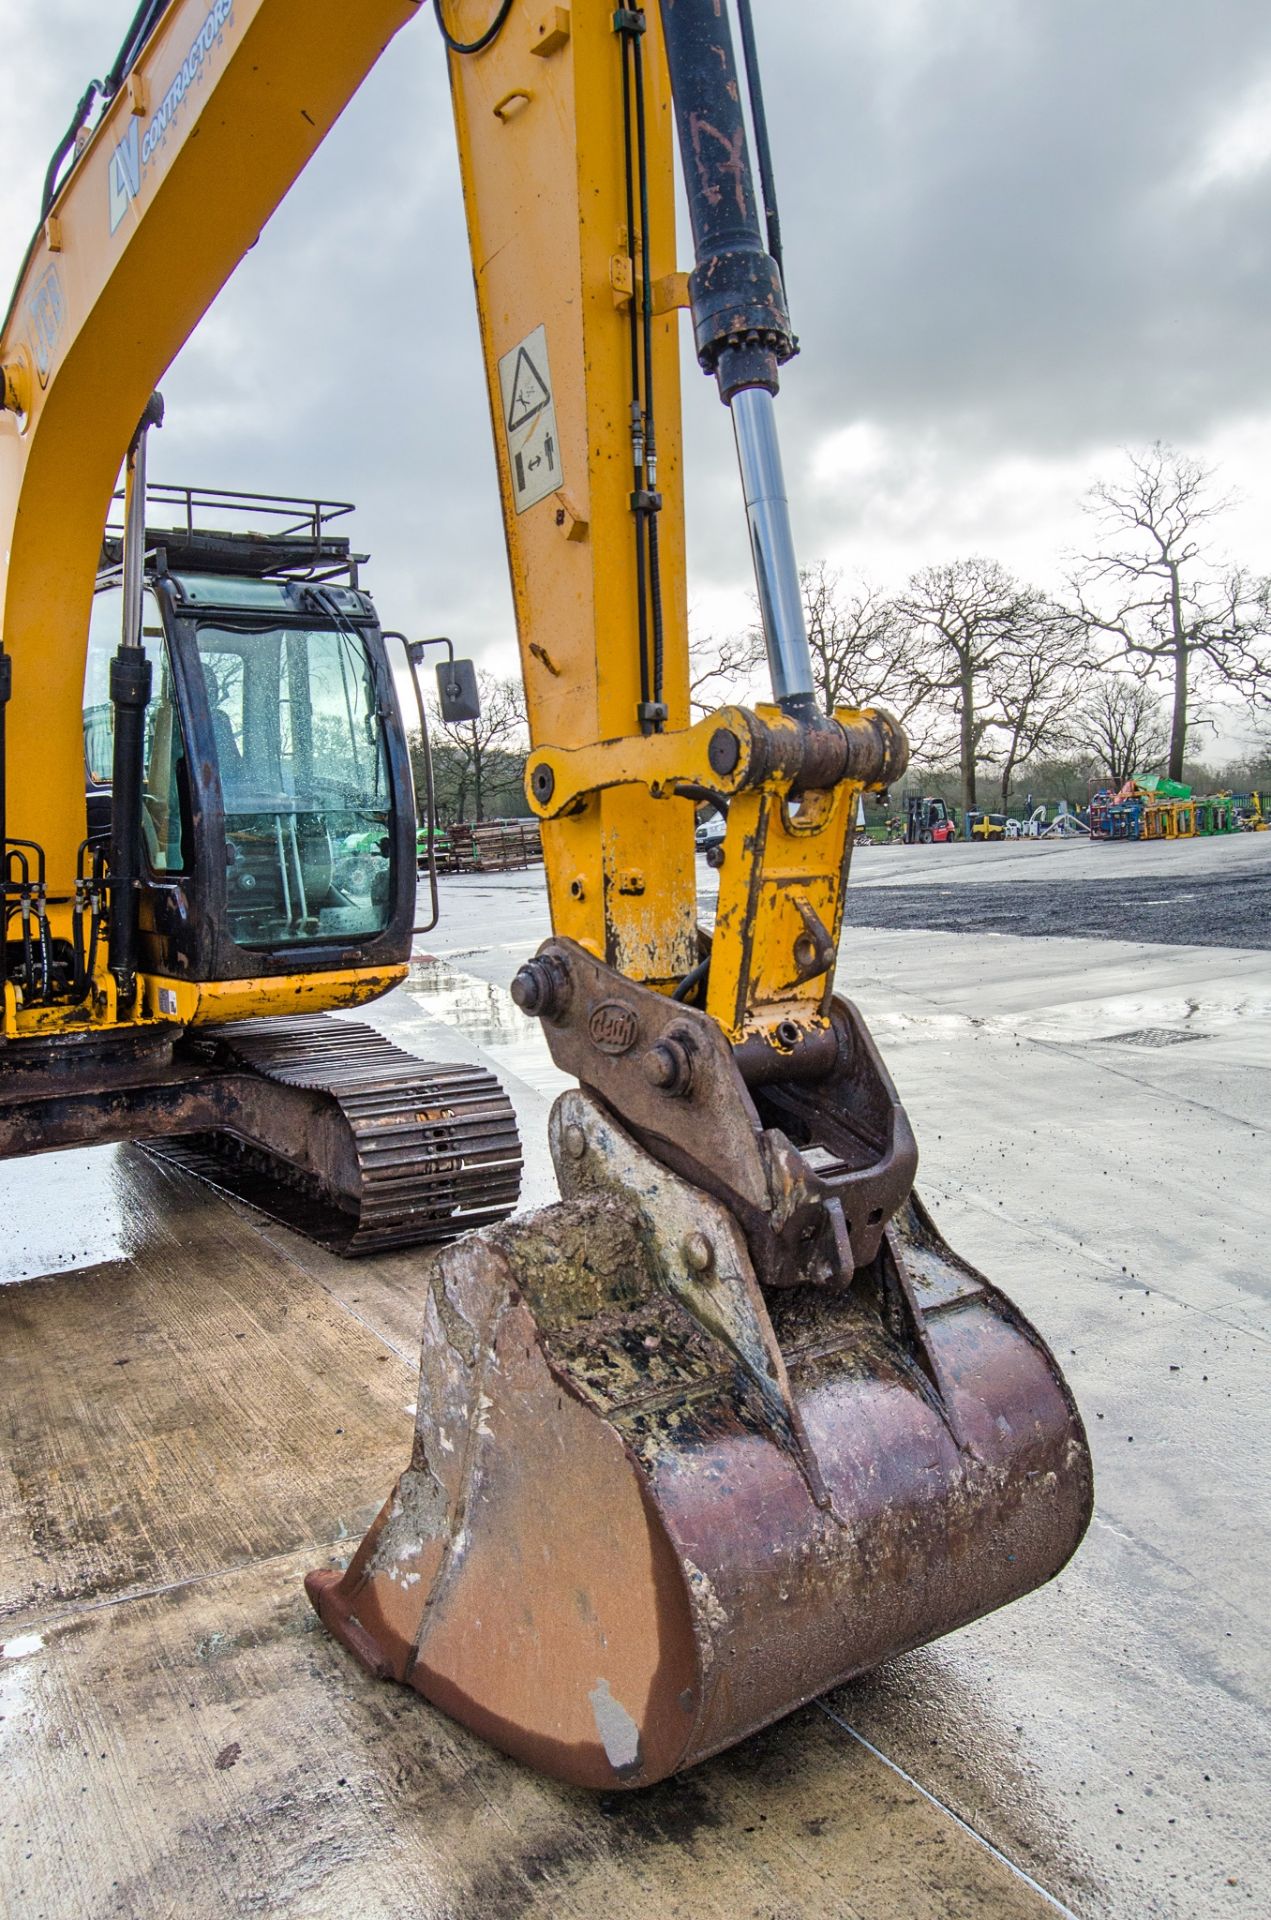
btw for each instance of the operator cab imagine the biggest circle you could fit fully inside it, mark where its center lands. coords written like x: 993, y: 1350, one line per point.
x: 278, y: 828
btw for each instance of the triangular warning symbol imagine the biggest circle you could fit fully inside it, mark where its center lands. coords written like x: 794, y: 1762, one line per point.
x: 530, y: 392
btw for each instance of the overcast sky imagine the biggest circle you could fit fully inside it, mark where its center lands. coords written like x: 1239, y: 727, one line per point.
x: 1019, y: 234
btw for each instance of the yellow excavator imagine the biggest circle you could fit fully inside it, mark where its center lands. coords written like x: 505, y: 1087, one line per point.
x: 731, y: 1422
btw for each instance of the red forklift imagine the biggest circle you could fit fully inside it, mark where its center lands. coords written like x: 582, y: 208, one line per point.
x: 929, y: 820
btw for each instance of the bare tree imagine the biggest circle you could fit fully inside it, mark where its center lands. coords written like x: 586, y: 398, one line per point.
x: 1121, y: 723
x: 467, y: 749
x: 1033, y: 683
x: 965, y: 619
x: 721, y: 670
x: 860, y: 648
x: 857, y: 642
x: 1154, y: 585
x: 1251, y: 772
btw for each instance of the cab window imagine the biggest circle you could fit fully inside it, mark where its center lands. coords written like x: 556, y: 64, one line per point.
x: 304, y: 780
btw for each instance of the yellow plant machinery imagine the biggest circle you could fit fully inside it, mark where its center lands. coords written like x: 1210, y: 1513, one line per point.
x: 731, y: 1422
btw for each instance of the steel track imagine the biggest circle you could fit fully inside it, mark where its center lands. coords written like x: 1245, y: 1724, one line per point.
x: 435, y: 1143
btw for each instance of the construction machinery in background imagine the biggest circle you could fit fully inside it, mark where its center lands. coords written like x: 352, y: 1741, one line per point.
x: 731, y: 1422
x: 1065, y: 825
x: 1147, y: 806
x: 984, y: 826
x: 928, y: 820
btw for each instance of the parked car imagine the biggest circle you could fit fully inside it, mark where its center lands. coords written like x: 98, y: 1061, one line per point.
x: 711, y: 833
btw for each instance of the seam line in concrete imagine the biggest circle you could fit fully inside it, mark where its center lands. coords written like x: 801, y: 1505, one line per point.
x: 941, y: 1806
x: 1149, y: 1086
x: 29, y: 1620
x: 1061, y: 1242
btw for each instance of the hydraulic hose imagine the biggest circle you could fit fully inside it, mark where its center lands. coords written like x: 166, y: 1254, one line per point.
x: 759, y: 119
x: 482, y: 40
x: 129, y: 696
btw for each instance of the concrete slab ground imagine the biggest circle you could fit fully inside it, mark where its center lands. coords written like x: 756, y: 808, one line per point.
x: 197, y: 1407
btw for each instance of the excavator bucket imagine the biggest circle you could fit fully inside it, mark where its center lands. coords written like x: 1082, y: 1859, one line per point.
x: 652, y: 1507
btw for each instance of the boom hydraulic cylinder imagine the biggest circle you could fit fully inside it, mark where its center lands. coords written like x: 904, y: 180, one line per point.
x: 740, y: 322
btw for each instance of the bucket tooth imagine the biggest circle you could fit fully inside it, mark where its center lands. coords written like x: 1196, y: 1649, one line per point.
x: 651, y: 1508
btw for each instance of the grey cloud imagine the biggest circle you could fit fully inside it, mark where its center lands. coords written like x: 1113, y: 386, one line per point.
x: 996, y: 245
x: 998, y: 229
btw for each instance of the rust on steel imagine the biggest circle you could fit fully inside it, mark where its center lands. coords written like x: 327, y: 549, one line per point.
x: 839, y: 1159
x: 653, y: 1505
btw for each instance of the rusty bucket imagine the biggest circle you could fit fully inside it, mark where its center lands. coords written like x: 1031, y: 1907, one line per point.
x: 650, y: 1510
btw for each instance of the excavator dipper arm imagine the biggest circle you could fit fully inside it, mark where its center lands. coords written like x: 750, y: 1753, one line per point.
x: 731, y: 1423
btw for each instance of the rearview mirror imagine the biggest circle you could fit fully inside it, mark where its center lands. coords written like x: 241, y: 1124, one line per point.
x: 457, y: 694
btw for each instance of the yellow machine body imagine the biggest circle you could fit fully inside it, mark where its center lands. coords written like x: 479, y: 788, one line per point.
x: 731, y: 1422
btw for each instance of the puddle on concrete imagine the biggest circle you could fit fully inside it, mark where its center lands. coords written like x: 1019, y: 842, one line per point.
x: 18, y: 1681
x: 63, y: 1211
x: 21, y: 1647
x: 486, y: 1015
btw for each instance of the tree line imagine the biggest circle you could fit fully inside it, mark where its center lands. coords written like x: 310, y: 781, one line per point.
x: 996, y: 679
x: 1001, y: 686
x: 479, y: 765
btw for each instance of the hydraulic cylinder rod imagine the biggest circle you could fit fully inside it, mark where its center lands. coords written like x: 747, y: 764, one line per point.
x: 740, y: 321
x: 772, y: 545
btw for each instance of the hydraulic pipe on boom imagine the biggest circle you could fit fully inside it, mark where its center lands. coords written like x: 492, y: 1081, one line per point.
x: 130, y: 677
x: 740, y: 320
x: 772, y: 547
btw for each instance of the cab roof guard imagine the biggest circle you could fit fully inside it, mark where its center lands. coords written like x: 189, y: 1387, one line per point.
x: 227, y: 530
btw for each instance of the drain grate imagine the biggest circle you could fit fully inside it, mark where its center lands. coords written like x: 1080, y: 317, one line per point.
x: 1150, y: 1037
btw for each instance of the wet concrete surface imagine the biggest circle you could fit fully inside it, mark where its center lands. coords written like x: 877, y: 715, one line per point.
x: 198, y: 1406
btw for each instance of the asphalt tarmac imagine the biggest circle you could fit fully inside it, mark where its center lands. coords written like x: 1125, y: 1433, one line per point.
x: 1167, y: 899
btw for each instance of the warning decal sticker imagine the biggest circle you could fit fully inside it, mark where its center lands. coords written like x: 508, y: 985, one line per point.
x: 529, y: 421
